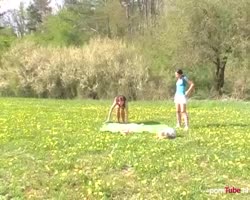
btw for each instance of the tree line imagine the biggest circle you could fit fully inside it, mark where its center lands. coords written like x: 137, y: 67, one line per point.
x: 208, y: 39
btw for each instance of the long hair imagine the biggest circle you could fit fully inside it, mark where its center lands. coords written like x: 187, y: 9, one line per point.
x: 119, y: 99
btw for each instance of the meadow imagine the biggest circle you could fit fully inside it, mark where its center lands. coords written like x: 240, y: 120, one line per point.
x: 53, y: 149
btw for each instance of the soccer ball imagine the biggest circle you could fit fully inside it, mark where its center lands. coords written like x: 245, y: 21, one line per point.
x: 169, y: 133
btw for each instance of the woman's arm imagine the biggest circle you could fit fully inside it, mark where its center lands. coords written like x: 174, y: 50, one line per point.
x: 111, y: 110
x: 190, y: 89
x: 126, y: 112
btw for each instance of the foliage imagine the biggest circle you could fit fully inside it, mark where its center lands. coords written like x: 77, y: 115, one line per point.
x: 37, y: 11
x: 208, y: 39
x: 6, y: 38
x: 101, y: 69
x: 209, y: 34
x: 59, y: 30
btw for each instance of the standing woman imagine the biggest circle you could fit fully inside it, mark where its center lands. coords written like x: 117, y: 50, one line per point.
x: 180, y: 98
x: 121, y: 105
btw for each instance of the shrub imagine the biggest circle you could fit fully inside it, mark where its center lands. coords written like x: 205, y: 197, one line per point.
x: 101, y: 69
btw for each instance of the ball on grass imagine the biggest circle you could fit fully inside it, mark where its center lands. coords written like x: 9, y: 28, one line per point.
x: 169, y: 133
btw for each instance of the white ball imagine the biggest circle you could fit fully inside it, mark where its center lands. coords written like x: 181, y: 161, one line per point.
x: 167, y: 133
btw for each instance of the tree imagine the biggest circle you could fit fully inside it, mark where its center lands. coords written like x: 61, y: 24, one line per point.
x: 34, y: 18
x: 89, y: 19
x: 207, y: 31
x: 115, y: 18
x: 7, y: 35
x: 59, y: 30
x: 37, y: 11
x: 20, y: 20
x: 16, y: 19
x: 43, y: 7
x: 211, y: 31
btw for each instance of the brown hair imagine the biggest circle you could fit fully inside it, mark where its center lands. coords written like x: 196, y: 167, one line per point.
x: 121, y: 98
x: 179, y: 71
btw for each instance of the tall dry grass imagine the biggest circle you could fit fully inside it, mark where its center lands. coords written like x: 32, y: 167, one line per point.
x: 101, y: 69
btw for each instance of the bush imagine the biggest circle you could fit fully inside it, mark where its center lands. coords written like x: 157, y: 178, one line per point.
x: 101, y: 69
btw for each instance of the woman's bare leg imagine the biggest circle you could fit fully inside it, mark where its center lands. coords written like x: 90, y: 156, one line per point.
x: 123, y: 115
x: 178, y: 115
x: 185, y: 115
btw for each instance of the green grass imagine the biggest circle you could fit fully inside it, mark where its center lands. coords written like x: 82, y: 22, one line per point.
x: 52, y: 149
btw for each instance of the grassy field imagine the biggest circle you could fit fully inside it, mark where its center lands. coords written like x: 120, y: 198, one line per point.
x: 53, y: 149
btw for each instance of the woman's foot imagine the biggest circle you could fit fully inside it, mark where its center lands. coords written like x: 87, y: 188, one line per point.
x: 178, y: 126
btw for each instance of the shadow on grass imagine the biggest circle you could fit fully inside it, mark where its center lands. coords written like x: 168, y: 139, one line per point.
x: 219, y: 125
x: 147, y: 122
x: 178, y: 136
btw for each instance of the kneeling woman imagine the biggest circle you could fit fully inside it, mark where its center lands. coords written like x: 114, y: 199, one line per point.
x: 120, y: 103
